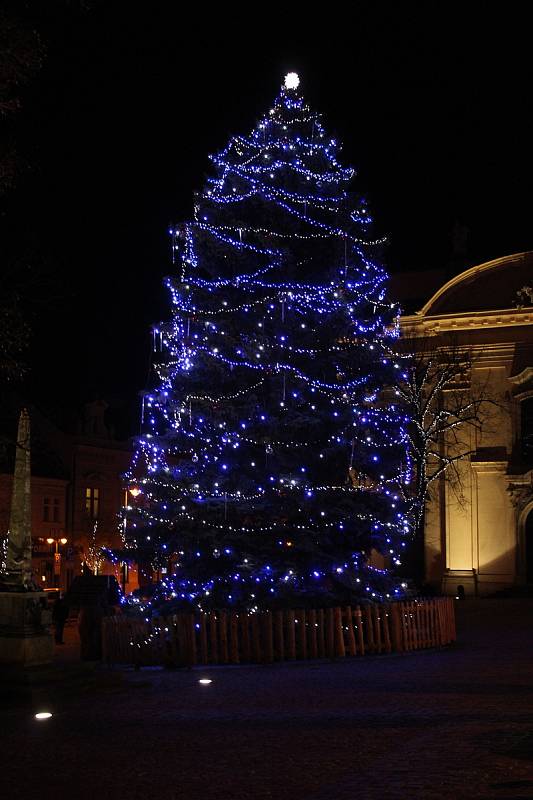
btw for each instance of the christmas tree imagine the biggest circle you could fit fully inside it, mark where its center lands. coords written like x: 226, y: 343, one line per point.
x: 273, y: 455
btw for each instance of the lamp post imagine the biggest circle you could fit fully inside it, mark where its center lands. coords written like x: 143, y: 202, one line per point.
x: 57, y: 557
x: 135, y: 491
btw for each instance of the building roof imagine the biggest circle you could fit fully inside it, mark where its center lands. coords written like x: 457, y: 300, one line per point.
x: 411, y: 289
x: 491, y: 286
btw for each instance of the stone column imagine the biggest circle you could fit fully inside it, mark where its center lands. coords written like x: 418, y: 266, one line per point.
x: 18, y: 563
x: 25, y: 637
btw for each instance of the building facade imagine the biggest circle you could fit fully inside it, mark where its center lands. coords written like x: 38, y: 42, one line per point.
x: 54, y: 561
x: 481, y: 537
x: 74, y: 516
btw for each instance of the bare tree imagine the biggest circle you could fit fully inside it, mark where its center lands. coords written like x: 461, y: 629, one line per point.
x: 445, y: 413
x: 24, y: 280
x: 21, y: 54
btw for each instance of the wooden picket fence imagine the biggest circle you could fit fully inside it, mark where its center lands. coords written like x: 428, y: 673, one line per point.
x: 231, y: 637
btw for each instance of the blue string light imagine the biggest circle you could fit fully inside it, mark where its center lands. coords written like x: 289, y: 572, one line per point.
x: 303, y: 467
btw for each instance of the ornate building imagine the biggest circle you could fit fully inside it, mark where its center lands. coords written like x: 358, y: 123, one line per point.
x: 481, y: 538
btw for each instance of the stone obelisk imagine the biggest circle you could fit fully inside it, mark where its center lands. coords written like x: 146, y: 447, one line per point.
x: 24, y: 617
x: 18, y: 562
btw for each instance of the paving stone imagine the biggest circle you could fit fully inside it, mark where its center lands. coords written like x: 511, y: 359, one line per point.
x: 450, y: 724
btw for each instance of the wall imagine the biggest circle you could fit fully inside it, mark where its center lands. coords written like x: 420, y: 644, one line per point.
x: 473, y: 534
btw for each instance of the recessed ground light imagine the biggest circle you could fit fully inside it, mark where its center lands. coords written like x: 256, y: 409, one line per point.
x: 43, y: 715
x: 205, y: 681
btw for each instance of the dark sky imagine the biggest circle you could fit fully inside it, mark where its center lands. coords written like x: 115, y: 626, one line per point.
x: 435, y: 113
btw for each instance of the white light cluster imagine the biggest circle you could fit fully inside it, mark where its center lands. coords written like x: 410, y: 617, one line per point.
x: 292, y: 80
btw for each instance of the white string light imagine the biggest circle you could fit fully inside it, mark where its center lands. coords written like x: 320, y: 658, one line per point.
x: 311, y: 449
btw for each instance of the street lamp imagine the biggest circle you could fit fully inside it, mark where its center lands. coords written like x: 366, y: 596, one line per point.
x: 58, y: 542
x: 135, y: 491
x: 57, y: 556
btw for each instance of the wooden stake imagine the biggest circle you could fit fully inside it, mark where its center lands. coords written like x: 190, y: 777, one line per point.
x: 452, y: 618
x: 268, y: 644
x: 359, y: 631
x: 256, y: 638
x: 339, y: 648
x: 244, y: 620
x: 350, y: 636
x: 213, y: 637
x: 376, y: 613
x: 321, y: 633
x: 223, y: 636
x: 234, y: 638
x: 290, y: 635
x: 368, y: 628
x: 330, y: 633
x: 203, y: 639
x: 278, y: 636
x: 190, y: 640
x: 301, y: 632
x: 313, y: 638
x: 385, y: 622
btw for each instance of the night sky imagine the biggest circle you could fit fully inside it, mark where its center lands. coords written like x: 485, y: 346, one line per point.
x: 434, y: 113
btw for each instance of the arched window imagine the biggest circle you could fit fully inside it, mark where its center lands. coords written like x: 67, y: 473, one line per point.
x: 526, y: 430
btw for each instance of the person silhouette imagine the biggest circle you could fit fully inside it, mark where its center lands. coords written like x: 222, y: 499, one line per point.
x: 59, y: 616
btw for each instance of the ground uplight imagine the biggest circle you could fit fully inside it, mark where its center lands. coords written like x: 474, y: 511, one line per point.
x: 43, y: 715
x: 205, y: 681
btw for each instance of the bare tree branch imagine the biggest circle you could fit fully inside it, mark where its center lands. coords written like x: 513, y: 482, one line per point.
x: 443, y: 408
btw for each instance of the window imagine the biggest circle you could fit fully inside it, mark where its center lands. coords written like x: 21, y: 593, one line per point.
x: 526, y: 442
x: 51, y: 509
x: 92, y: 502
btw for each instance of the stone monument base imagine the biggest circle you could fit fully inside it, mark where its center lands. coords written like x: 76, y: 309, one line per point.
x: 25, y: 637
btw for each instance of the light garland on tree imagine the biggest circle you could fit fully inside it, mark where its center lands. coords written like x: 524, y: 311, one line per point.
x: 269, y: 437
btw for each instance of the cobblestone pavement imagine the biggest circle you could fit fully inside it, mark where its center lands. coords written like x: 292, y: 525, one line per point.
x: 455, y: 723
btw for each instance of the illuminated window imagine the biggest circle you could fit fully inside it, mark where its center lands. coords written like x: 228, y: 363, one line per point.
x: 92, y: 502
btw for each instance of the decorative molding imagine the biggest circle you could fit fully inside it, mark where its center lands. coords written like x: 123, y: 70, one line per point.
x: 432, y: 325
x: 522, y: 378
x: 470, y: 273
x: 520, y: 489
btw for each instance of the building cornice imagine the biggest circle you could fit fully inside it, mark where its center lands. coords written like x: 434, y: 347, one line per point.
x: 489, y: 466
x: 418, y: 324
